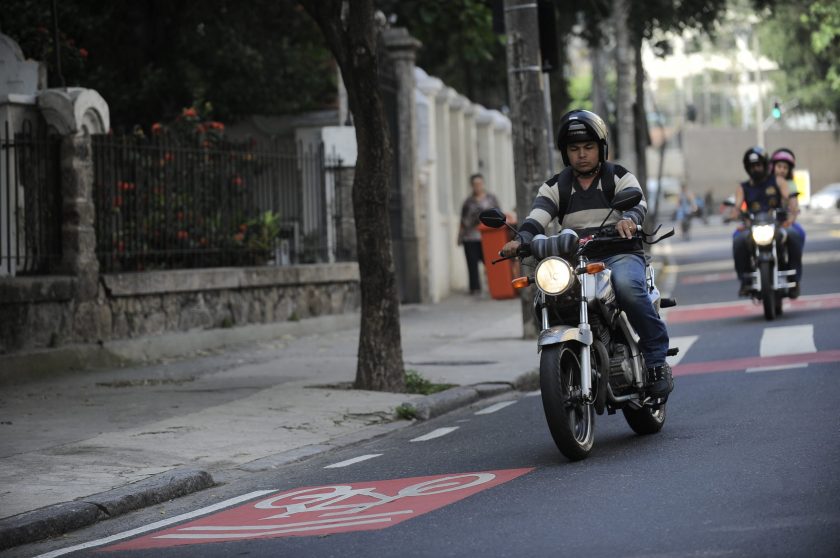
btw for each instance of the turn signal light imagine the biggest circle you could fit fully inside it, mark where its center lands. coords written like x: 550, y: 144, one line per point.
x: 520, y: 282
x: 596, y: 267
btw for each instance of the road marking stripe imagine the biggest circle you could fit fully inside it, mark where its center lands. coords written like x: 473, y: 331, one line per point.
x: 494, y: 408
x: 708, y: 278
x: 210, y: 536
x: 352, y: 461
x: 737, y: 364
x: 808, y: 258
x: 286, y: 525
x: 158, y: 524
x: 787, y: 340
x: 684, y: 344
x: 435, y: 434
x: 534, y: 393
x: 744, y: 309
x: 776, y: 367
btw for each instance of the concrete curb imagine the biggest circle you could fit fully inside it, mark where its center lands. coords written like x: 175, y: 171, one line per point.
x: 430, y: 406
x: 61, y: 518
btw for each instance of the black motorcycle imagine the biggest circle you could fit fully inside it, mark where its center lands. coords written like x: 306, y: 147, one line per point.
x: 590, y: 360
x: 769, y: 283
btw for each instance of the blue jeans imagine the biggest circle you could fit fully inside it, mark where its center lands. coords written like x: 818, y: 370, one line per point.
x: 628, y: 279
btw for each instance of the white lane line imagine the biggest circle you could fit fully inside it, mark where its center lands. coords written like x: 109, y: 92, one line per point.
x: 777, y: 367
x: 494, y: 408
x: 352, y: 461
x: 435, y: 434
x: 684, y: 343
x: 533, y: 393
x: 787, y: 340
x: 157, y: 524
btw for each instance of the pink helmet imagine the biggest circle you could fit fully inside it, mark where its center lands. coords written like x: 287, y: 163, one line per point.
x: 784, y: 155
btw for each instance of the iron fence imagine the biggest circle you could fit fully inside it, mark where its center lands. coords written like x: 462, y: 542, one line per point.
x: 161, y: 205
x: 30, y: 200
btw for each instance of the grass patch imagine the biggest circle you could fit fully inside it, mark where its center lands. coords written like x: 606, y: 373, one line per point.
x: 406, y: 412
x: 417, y: 384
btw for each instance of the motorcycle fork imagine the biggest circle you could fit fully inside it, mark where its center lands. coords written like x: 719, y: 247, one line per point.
x: 585, y: 356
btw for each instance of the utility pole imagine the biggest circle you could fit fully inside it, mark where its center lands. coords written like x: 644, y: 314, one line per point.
x: 624, y: 77
x: 528, y: 119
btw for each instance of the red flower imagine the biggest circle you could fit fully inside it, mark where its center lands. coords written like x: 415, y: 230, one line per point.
x: 200, y: 128
x: 83, y: 52
x: 183, y: 235
x: 243, y: 227
x: 237, y: 181
x: 168, y: 156
x: 189, y: 112
x: 157, y: 128
x: 239, y: 237
x: 216, y: 126
x: 121, y: 247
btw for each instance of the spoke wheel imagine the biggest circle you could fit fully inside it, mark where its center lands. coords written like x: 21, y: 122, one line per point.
x: 571, y: 422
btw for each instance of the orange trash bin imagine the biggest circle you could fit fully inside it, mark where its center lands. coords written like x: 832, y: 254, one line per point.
x: 500, y: 275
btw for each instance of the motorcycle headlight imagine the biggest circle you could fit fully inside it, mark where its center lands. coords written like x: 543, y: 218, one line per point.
x: 763, y: 234
x: 554, y: 276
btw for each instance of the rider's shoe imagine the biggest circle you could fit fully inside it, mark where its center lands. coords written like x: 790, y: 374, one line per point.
x: 660, y: 380
x: 793, y: 292
x: 745, y: 289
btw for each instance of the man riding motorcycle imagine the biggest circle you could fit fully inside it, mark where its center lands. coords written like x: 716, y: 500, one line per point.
x: 579, y: 198
x: 761, y: 193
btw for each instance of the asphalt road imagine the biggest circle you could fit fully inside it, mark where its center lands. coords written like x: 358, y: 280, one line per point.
x: 746, y: 465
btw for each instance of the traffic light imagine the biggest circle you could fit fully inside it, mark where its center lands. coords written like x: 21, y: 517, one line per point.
x: 777, y: 111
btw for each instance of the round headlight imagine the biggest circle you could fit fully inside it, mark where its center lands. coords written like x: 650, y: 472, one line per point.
x: 763, y: 234
x: 554, y: 276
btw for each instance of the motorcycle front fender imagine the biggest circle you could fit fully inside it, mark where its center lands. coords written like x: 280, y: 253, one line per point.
x: 563, y: 333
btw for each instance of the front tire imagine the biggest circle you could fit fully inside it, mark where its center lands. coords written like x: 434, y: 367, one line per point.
x: 768, y: 295
x: 646, y: 420
x: 572, y: 423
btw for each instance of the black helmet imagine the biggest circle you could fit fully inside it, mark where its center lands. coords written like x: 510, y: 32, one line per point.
x: 755, y: 155
x: 784, y: 155
x: 582, y: 125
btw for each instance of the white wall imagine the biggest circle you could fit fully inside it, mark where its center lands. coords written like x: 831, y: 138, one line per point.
x: 456, y: 138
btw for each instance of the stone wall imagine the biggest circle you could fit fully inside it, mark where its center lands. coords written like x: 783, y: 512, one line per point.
x: 47, y: 312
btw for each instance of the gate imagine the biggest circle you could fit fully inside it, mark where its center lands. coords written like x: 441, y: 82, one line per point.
x: 30, y: 200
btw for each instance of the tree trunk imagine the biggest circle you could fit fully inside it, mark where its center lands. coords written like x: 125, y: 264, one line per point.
x: 352, y: 37
x: 642, y: 137
x: 624, y: 84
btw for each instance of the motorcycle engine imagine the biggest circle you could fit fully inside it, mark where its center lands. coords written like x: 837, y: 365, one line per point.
x: 621, y: 372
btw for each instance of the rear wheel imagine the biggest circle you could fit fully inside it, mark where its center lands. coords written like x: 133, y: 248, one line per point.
x: 768, y: 295
x: 647, y: 420
x: 571, y: 422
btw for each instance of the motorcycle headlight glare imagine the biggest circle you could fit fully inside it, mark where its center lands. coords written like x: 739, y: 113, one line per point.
x: 554, y: 276
x: 763, y: 234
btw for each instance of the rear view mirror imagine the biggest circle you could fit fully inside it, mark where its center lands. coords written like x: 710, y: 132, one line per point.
x: 493, y: 218
x: 626, y: 199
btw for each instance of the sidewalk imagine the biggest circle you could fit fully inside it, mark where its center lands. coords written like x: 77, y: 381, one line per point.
x: 249, y: 408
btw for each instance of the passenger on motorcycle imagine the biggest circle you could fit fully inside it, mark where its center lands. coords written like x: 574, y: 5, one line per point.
x: 783, y: 161
x: 762, y: 192
x: 582, y: 140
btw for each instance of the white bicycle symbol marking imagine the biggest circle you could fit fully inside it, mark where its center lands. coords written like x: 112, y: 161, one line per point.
x: 334, y: 498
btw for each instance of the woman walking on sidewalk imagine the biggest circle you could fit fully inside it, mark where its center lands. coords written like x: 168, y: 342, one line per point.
x: 468, y: 234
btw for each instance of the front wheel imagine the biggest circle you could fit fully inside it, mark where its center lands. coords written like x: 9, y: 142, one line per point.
x: 646, y: 420
x: 571, y: 422
x: 768, y: 295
